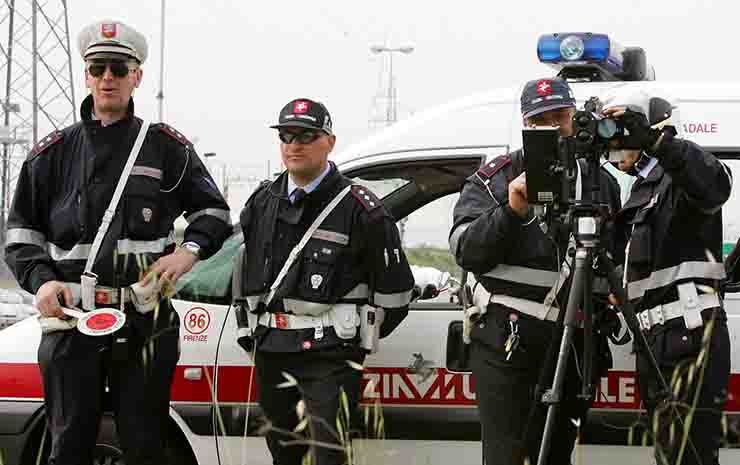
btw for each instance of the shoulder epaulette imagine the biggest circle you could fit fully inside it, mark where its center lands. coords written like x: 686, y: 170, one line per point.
x: 264, y: 184
x: 494, y: 166
x: 174, y: 133
x: 366, y: 198
x: 47, y: 142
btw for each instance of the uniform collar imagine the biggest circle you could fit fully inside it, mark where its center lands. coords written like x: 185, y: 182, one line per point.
x: 310, y: 187
x: 643, y: 190
x: 279, y: 187
x: 86, y: 111
x: 645, y: 165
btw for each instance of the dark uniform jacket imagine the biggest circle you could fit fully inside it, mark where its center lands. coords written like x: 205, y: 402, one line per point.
x: 510, y: 255
x: 354, y: 257
x: 674, y: 219
x: 67, y: 183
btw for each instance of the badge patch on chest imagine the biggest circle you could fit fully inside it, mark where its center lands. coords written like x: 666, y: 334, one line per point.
x: 316, y: 281
x: 147, y: 213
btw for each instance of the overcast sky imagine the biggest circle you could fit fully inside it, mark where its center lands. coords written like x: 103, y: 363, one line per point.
x: 231, y: 65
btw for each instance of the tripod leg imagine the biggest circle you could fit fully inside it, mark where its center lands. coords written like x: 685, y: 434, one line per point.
x: 553, y: 396
x: 588, y: 333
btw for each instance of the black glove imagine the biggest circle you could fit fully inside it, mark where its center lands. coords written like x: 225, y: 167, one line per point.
x: 641, y: 135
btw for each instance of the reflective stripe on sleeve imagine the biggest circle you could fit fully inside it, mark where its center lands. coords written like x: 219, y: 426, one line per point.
x: 78, y: 252
x: 524, y: 275
x: 396, y: 300
x: 223, y: 215
x: 667, y: 276
x: 455, y: 237
x: 25, y: 236
x: 713, y: 210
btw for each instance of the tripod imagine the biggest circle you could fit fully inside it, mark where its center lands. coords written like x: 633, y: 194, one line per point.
x: 587, y: 220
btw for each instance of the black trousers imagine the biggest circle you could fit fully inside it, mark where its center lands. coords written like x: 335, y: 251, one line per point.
x: 77, y: 368
x: 321, y: 376
x: 676, y: 349
x: 505, y: 391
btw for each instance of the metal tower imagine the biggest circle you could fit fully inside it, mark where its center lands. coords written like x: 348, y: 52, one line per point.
x: 38, y: 94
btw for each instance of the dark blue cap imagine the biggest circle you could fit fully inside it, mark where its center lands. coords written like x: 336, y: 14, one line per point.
x: 305, y: 113
x: 541, y: 95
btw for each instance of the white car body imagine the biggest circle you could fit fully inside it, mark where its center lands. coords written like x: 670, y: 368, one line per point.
x: 428, y: 403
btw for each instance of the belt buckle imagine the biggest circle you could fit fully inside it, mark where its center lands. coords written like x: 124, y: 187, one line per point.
x: 103, y: 297
x: 318, y: 329
x: 660, y: 315
x: 645, y: 320
x: 281, y: 321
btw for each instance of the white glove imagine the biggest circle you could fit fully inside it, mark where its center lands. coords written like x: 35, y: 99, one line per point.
x: 470, y: 314
x: 146, y: 297
x: 51, y: 324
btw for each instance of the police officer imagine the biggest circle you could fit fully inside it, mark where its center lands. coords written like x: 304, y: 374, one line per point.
x: 496, y: 237
x: 317, y: 318
x: 674, y: 224
x: 64, y: 187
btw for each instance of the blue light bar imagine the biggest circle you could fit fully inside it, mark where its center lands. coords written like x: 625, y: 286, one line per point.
x: 583, y: 48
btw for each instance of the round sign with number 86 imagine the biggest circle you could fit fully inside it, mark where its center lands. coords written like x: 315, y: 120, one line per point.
x: 197, y: 320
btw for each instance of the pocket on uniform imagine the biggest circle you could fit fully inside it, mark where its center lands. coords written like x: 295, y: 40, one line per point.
x: 143, y: 211
x: 678, y: 343
x: 317, y: 277
x: 67, y: 220
x: 491, y: 331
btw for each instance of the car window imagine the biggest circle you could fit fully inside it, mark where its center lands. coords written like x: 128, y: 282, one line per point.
x: 424, y: 235
x: 381, y: 187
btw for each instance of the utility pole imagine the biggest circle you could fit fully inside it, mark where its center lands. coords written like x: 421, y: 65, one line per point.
x: 39, y: 93
x: 391, y: 108
x: 391, y: 98
x: 160, y: 94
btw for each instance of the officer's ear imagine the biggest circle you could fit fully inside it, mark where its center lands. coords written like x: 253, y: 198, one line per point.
x: 332, y: 139
x: 138, y: 74
x: 88, y: 78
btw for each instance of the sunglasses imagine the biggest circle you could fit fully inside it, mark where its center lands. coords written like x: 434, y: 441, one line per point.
x: 303, y: 137
x: 118, y: 68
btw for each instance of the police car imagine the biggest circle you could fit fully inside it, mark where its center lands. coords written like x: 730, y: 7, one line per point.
x: 420, y: 375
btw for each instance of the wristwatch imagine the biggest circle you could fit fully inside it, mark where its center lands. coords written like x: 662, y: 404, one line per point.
x: 192, y: 247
